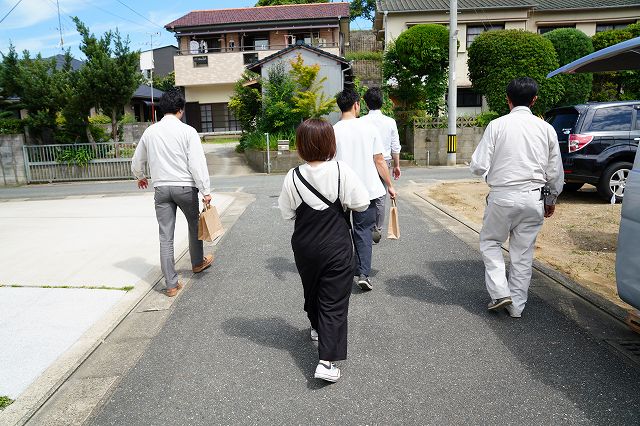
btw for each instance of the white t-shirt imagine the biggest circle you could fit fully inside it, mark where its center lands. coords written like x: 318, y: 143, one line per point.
x: 388, y: 131
x: 324, y: 178
x: 356, y: 143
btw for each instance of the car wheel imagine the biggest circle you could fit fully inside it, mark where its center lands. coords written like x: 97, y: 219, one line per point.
x: 572, y: 186
x: 613, y: 180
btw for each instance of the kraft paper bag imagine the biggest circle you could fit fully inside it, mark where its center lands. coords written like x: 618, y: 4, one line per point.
x: 393, y: 231
x: 209, y: 225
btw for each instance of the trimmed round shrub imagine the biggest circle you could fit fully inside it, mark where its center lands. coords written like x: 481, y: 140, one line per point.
x: 497, y: 57
x: 418, y: 62
x: 571, y: 44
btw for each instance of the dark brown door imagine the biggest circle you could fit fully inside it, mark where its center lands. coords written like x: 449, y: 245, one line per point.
x: 192, y: 115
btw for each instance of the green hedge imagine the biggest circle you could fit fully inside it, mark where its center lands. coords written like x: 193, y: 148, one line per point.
x: 571, y: 44
x: 11, y: 126
x: 497, y: 57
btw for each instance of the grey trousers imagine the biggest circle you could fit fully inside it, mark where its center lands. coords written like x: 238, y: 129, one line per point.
x: 167, y: 198
x: 381, y: 208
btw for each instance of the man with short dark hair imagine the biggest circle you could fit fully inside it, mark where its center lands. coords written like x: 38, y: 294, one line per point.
x: 520, y: 160
x: 178, y: 168
x: 390, y: 143
x: 359, y: 145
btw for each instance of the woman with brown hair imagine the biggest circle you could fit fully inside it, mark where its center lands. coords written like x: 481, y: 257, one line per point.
x: 321, y: 239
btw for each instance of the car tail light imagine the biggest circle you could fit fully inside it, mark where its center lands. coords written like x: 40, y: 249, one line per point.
x: 577, y: 142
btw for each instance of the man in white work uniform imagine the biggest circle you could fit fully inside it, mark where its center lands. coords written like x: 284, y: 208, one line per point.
x: 520, y: 160
x: 358, y: 144
x: 388, y: 130
x: 179, y: 170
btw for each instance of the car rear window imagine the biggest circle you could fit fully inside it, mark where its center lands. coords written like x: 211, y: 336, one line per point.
x: 563, y: 122
x: 616, y: 118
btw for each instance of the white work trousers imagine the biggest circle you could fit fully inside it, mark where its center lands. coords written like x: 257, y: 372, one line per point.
x: 517, y: 215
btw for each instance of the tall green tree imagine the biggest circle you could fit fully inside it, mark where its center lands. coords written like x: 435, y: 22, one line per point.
x: 362, y: 9
x: 43, y: 93
x: 571, y: 44
x: 417, y: 64
x: 246, y: 101
x: 10, y: 84
x: 112, y: 70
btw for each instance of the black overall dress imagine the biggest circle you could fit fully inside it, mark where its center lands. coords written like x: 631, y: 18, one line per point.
x: 324, y: 257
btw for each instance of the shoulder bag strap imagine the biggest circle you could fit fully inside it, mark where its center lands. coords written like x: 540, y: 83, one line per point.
x: 312, y: 189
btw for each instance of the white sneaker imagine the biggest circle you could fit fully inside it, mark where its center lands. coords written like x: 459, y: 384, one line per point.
x: 327, y: 371
x: 512, y: 312
x: 314, y: 334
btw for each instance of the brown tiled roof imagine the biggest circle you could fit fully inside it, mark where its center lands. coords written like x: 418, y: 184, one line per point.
x: 261, y: 14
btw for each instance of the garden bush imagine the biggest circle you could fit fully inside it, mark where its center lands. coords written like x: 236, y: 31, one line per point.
x: 497, y: 57
x: 11, y: 126
x: 483, y: 119
x: 623, y: 85
x: 417, y: 65
x: 571, y: 44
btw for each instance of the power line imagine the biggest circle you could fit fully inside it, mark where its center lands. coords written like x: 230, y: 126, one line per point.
x: 9, y: 12
x: 113, y: 14
x: 139, y: 14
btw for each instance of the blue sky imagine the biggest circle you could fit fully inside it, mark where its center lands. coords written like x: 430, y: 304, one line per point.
x: 33, y: 25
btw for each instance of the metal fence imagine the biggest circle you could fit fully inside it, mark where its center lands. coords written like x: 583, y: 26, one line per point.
x: 77, y: 162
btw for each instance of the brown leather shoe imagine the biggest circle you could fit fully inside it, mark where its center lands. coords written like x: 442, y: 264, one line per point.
x: 206, y: 262
x: 171, y: 292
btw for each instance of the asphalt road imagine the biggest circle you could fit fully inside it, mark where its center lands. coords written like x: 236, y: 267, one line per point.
x: 422, y: 347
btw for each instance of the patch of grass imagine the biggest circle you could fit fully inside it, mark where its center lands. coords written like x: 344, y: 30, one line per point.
x: 221, y: 140
x: 5, y: 401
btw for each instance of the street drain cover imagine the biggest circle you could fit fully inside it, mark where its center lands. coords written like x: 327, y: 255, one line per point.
x: 629, y: 348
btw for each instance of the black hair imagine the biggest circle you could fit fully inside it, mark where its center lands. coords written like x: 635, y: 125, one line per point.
x: 172, y: 101
x: 346, y: 99
x: 521, y: 91
x: 373, y: 98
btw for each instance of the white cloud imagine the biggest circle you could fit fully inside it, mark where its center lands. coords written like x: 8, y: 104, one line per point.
x: 32, y: 12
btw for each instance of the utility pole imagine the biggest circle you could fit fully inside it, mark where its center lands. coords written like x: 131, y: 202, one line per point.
x: 60, y: 25
x: 153, y: 109
x: 452, y: 106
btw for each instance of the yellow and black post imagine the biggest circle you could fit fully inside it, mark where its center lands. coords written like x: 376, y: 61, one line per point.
x: 453, y: 92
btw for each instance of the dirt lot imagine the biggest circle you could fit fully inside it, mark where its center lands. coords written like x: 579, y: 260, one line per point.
x: 579, y: 240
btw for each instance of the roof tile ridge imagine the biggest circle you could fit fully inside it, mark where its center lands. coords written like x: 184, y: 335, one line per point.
x: 266, y: 7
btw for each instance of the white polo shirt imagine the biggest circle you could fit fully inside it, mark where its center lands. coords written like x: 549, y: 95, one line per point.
x: 388, y: 130
x: 520, y: 152
x: 356, y: 143
x: 175, y: 155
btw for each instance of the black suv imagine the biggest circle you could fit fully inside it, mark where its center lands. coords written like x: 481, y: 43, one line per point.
x: 598, y: 142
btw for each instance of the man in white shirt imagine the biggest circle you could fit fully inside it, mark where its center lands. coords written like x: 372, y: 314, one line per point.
x: 178, y: 168
x: 359, y: 145
x: 520, y: 160
x: 388, y: 130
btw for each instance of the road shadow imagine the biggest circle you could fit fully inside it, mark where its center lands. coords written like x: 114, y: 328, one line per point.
x: 548, y: 344
x: 277, y: 333
x: 280, y: 266
x: 136, y: 265
x: 592, y: 240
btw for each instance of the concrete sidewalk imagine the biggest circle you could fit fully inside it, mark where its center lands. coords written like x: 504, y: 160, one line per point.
x: 54, y: 258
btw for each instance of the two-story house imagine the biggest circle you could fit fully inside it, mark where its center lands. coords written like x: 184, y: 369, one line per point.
x: 475, y: 17
x: 215, y: 46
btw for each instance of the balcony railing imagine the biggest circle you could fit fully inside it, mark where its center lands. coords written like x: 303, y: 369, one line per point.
x: 276, y: 47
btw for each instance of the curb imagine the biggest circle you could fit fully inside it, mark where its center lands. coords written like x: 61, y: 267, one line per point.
x: 589, y: 295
